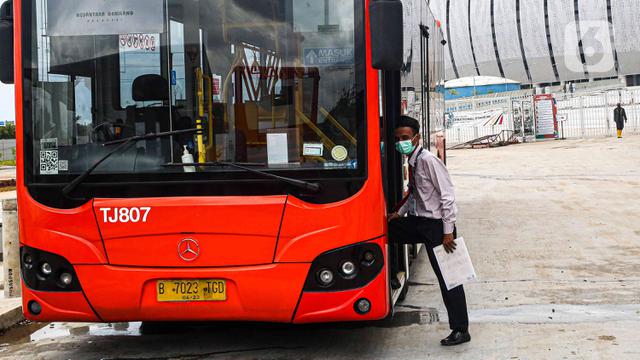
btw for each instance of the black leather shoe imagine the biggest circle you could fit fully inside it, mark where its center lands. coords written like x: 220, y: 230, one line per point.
x: 456, y: 338
x: 395, y: 283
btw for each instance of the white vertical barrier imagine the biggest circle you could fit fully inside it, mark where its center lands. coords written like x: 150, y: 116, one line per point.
x: 11, y: 249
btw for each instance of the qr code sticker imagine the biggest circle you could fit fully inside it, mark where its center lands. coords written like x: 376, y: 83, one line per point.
x: 63, y: 165
x: 49, y: 162
x: 48, y: 144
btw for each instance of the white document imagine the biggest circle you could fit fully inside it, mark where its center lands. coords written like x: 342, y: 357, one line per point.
x: 277, y: 149
x: 456, y: 268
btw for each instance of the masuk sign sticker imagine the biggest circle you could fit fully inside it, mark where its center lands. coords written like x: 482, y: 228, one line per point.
x: 329, y: 57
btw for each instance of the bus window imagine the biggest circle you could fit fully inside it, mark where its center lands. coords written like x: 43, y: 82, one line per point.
x: 139, y: 55
x: 269, y: 83
x: 83, y: 102
x: 178, y: 71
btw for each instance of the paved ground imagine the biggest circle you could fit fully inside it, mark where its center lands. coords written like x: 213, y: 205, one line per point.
x: 554, y: 232
x: 7, y: 172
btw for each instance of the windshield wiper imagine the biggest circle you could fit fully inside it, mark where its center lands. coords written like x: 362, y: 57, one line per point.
x: 301, y: 184
x: 122, y: 144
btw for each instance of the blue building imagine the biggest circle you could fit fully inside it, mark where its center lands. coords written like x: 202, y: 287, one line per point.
x: 478, y: 85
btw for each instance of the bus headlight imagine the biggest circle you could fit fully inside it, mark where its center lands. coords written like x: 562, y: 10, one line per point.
x: 66, y: 279
x: 34, y: 307
x: 44, y: 271
x: 348, y: 268
x: 368, y: 258
x: 363, y: 306
x: 27, y: 260
x: 325, y: 277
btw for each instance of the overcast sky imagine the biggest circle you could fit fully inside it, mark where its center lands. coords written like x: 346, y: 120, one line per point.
x: 6, y: 103
x: 6, y: 99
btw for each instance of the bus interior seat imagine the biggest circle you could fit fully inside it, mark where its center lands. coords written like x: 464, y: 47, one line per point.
x: 152, y: 91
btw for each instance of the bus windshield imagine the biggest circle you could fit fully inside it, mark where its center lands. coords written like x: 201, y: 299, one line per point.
x: 270, y: 84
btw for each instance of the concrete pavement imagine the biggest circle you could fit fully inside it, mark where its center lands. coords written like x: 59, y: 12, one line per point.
x: 10, y: 309
x: 10, y: 313
x: 554, y: 233
x: 7, y: 173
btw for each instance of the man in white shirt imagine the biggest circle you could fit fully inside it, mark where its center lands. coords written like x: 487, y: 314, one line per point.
x: 431, y: 209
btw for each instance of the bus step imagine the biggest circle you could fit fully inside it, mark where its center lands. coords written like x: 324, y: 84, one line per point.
x: 395, y: 294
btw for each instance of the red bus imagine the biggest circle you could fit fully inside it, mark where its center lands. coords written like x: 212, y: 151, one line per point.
x: 214, y: 159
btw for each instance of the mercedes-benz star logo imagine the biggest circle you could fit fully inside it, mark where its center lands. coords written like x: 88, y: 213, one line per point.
x: 188, y: 249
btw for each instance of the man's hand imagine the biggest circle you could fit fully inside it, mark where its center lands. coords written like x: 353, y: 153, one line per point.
x: 393, y: 216
x: 449, y: 243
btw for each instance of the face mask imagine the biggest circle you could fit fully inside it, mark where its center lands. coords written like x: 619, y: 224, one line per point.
x: 405, y: 147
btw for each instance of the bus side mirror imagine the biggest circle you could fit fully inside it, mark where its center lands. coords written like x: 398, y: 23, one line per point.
x: 387, y: 35
x: 6, y: 42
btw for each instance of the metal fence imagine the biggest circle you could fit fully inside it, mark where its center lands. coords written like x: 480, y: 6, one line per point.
x: 587, y: 114
x: 591, y: 115
x: 7, y: 150
x: 463, y: 134
x: 462, y: 128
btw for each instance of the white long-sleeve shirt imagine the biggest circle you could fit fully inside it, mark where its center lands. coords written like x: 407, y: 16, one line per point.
x: 433, y: 194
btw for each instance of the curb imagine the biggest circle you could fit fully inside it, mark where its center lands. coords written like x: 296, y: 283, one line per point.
x: 10, y: 313
x: 7, y: 183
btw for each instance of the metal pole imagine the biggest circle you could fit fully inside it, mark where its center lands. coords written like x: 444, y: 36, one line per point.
x: 581, y: 117
x: 511, y: 125
x: 427, y: 91
x: 11, y: 249
x: 523, y: 118
x: 606, y: 115
x: 474, y: 94
x: 326, y: 12
x: 633, y: 100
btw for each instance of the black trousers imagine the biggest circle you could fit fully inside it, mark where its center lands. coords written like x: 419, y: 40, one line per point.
x: 412, y: 230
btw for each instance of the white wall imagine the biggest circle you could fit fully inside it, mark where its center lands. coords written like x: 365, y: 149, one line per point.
x: 596, y: 32
x: 7, y: 111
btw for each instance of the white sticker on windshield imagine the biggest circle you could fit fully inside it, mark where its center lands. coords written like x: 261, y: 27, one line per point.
x: 63, y: 165
x: 113, y: 17
x: 339, y: 153
x: 277, y: 149
x: 49, y: 162
x: 313, y: 149
x: 48, y: 144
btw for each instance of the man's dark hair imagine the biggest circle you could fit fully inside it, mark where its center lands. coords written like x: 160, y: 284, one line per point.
x: 408, y: 121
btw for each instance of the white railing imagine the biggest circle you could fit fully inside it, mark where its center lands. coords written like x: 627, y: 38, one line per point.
x: 587, y: 113
x: 591, y: 115
x: 462, y: 134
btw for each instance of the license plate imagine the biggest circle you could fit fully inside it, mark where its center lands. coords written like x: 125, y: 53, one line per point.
x: 191, y: 290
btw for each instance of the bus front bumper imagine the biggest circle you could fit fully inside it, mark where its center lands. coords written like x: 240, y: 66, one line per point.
x: 269, y: 293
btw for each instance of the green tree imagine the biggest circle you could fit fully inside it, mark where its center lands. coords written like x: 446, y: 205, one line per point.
x: 8, y: 131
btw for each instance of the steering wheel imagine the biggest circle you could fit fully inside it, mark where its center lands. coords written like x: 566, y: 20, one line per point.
x: 106, y: 130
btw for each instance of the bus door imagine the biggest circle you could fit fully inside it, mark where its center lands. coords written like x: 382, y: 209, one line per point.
x: 393, y: 167
x: 411, y: 91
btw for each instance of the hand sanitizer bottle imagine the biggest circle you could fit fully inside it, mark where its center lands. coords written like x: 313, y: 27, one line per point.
x: 187, y: 158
